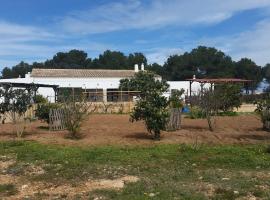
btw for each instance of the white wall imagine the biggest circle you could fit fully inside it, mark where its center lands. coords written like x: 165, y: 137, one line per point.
x: 85, y: 83
x: 195, y: 86
x: 93, y: 83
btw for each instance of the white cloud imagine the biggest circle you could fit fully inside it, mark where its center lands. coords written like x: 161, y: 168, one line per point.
x: 30, y: 43
x: 160, y: 55
x: 24, y: 42
x: 132, y: 14
x: 18, y: 42
x: 251, y: 44
x: 10, y: 32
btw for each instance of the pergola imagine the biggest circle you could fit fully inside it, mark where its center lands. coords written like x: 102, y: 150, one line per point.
x: 212, y: 81
x: 31, y: 87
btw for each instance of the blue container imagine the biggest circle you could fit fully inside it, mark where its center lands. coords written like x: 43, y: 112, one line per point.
x: 185, y: 109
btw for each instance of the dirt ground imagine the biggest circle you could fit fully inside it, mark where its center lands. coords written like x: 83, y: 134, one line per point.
x: 116, y: 129
x: 28, y: 188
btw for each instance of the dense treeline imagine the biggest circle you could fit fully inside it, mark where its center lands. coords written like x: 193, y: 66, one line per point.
x: 76, y: 59
x: 201, y: 61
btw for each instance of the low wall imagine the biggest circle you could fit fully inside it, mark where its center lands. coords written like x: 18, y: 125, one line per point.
x: 96, y: 107
x: 112, y: 107
x: 30, y: 113
x: 246, y: 108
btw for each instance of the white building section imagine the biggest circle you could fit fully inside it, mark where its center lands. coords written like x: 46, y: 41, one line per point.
x: 178, y: 85
x: 88, y: 80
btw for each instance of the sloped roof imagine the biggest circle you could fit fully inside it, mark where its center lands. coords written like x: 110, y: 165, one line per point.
x: 82, y: 73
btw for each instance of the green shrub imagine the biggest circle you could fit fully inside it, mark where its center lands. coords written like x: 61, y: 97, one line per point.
x: 43, y: 110
x: 40, y: 99
x: 228, y: 113
x: 7, y: 189
x: 263, y: 109
x: 268, y: 149
x: 265, y: 115
x: 152, y: 105
x: 196, y: 113
x: 175, y: 99
x: 228, y: 96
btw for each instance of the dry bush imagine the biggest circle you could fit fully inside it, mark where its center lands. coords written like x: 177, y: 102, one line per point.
x: 209, y: 104
x: 75, y: 114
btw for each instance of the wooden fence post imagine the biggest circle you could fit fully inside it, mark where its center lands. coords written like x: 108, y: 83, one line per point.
x: 174, y: 122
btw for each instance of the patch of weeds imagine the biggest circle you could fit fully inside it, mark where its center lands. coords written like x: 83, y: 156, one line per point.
x: 7, y: 157
x: 43, y: 127
x: 165, y: 171
x: 40, y: 195
x: 196, y: 147
x: 7, y: 190
x: 228, y: 113
x: 268, y: 149
x: 222, y: 193
x: 10, y: 144
x: 16, y: 169
x: 258, y: 193
x: 103, y: 194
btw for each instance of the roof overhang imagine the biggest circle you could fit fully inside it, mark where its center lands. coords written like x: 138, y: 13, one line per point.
x: 27, y: 85
x: 220, y: 80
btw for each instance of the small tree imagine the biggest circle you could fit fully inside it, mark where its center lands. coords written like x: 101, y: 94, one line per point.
x: 229, y: 96
x: 176, y: 100
x: 75, y: 113
x: 39, y: 99
x: 43, y: 111
x: 209, y: 104
x: 263, y: 109
x: 152, y: 105
x: 176, y: 104
x: 15, y: 103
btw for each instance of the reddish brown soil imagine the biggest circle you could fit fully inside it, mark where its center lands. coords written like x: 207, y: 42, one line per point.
x: 117, y: 130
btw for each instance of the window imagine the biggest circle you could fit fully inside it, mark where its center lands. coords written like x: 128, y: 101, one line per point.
x: 114, y: 95
x: 94, y: 95
x: 64, y: 93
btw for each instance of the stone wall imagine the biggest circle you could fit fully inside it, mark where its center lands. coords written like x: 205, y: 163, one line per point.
x: 96, y: 107
x: 112, y: 107
x: 30, y: 114
x: 246, y: 108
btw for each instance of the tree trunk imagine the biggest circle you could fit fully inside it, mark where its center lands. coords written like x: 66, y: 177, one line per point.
x: 208, y: 117
x: 157, y: 135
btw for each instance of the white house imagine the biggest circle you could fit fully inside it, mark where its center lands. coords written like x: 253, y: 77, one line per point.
x: 102, y: 82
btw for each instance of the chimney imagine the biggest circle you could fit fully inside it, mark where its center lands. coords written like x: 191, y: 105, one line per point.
x: 28, y: 75
x: 194, y: 76
x: 136, y: 68
x: 142, y: 67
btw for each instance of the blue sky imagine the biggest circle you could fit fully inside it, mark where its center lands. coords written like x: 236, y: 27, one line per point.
x: 32, y: 30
